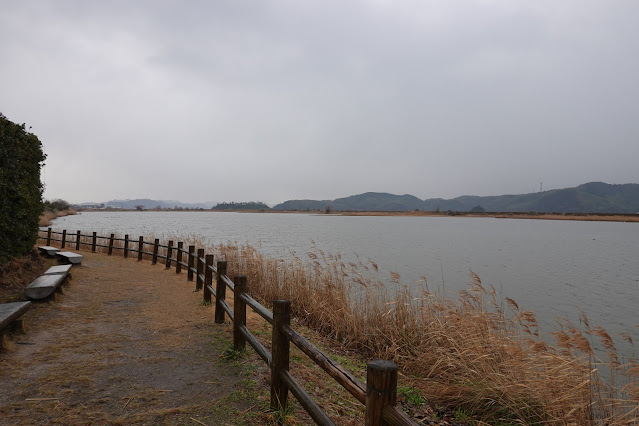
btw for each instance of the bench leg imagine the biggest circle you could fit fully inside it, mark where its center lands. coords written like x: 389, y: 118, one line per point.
x: 3, y: 340
x: 18, y: 326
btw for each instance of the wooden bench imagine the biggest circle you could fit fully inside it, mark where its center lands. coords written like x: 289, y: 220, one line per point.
x: 70, y: 257
x: 10, y: 314
x: 48, y: 250
x: 44, y: 286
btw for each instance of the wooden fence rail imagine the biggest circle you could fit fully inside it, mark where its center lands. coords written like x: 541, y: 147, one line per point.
x: 378, y: 394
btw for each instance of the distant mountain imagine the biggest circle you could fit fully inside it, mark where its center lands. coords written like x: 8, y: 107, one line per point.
x: 593, y: 197
x: 152, y: 204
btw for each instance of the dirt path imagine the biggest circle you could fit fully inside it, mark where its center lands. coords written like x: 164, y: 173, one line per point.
x: 127, y: 343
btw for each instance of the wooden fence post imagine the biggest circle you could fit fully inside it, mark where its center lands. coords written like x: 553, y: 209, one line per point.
x: 208, y: 278
x: 189, y: 276
x: 140, y: 247
x: 64, y: 238
x: 239, y: 313
x: 155, y: 251
x: 199, y: 268
x: 381, y: 390
x: 94, y: 241
x: 49, y: 236
x: 220, y: 291
x: 77, y: 240
x: 280, y: 353
x: 111, y: 238
x: 169, y: 253
x: 126, y: 246
x: 178, y: 262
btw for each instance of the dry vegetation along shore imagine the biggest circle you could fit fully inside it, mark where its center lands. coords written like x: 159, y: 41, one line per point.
x: 478, y: 353
x: 481, y: 355
x: 48, y: 215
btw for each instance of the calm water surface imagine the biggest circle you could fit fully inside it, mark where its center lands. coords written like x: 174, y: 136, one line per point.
x: 554, y: 268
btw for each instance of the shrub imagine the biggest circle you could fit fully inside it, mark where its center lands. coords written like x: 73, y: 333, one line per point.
x: 21, y: 158
x: 56, y: 205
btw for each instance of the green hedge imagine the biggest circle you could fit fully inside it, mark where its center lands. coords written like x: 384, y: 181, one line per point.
x: 21, y: 158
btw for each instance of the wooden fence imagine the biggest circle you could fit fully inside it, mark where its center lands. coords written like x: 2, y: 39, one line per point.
x: 378, y: 395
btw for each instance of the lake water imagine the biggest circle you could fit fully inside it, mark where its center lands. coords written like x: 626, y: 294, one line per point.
x: 554, y: 268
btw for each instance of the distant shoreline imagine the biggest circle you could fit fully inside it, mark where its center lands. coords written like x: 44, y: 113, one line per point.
x: 588, y: 217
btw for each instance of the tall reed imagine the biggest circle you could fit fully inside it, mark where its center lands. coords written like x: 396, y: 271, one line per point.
x: 474, y: 352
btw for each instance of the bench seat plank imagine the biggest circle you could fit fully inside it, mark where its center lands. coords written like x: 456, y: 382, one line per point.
x: 71, y: 257
x: 50, y: 251
x: 9, y: 312
x: 43, y: 286
x: 59, y: 269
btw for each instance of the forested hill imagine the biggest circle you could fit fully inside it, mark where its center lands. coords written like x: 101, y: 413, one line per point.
x: 593, y: 197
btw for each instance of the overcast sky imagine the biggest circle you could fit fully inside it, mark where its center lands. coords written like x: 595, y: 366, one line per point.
x: 275, y: 100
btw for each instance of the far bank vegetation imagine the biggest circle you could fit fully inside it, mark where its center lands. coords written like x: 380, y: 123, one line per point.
x: 53, y: 209
x: 249, y: 205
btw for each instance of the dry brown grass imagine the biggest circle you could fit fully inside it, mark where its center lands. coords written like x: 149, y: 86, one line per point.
x: 16, y: 274
x: 475, y: 352
x: 470, y: 352
x: 48, y: 216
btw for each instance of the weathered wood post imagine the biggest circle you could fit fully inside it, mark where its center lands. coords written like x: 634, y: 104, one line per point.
x: 239, y: 313
x: 178, y: 261
x: 156, y: 244
x: 126, y: 246
x: 199, y: 269
x: 77, y: 240
x: 64, y: 238
x: 381, y: 390
x: 220, y: 292
x: 49, y: 236
x: 169, y: 253
x: 94, y: 241
x: 111, y: 239
x: 189, y: 275
x: 140, y: 247
x: 208, y: 279
x: 280, y: 353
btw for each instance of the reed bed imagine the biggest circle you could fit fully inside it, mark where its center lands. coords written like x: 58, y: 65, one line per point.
x: 475, y: 352
x: 48, y: 215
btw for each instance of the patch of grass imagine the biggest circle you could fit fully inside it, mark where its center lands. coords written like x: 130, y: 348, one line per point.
x: 412, y: 395
x: 463, y: 416
x: 283, y: 416
x: 232, y: 354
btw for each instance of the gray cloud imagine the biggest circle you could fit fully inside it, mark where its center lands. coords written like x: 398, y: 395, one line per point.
x: 286, y: 99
